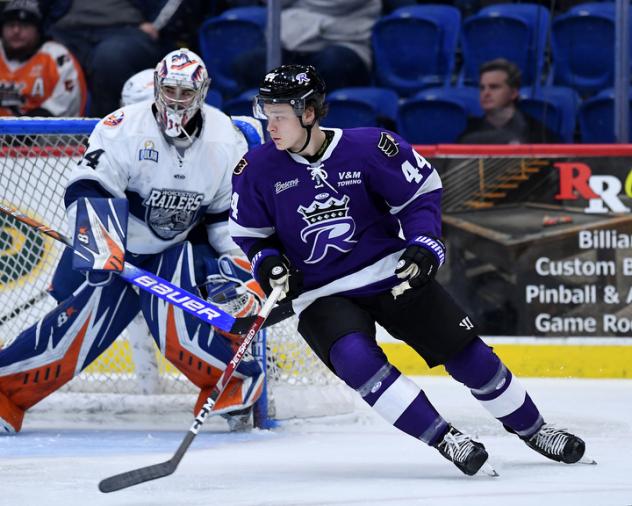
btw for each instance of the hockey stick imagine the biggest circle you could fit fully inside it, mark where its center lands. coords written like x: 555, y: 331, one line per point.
x: 153, y: 472
x: 153, y: 284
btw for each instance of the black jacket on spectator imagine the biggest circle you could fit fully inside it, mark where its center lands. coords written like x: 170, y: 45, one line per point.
x: 521, y: 129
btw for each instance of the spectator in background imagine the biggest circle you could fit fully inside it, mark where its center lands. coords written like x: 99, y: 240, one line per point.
x: 332, y: 35
x: 113, y: 39
x: 37, y: 77
x: 502, y: 122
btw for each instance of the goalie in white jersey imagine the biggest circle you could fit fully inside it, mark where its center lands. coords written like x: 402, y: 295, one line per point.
x: 152, y: 172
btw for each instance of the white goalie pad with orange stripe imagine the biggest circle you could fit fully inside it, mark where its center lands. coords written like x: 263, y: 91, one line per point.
x: 50, y: 353
x: 100, y: 234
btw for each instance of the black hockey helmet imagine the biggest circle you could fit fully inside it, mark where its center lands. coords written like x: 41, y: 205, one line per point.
x: 297, y: 85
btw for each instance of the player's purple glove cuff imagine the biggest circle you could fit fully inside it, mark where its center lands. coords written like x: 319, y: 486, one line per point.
x: 435, y: 246
x: 256, y: 261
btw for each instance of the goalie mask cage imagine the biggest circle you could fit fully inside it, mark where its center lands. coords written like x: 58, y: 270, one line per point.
x: 36, y: 156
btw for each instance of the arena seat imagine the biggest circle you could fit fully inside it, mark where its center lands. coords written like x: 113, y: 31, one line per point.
x: 361, y: 106
x: 431, y: 119
x: 582, y: 45
x: 214, y: 98
x: 596, y: 117
x: 256, y: 14
x: 241, y: 105
x: 469, y: 97
x: 221, y: 41
x: 414, y: 47
x: 555, y: 106
x: 516, y: 32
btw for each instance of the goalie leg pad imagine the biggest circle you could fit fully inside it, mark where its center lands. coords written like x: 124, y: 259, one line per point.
x: 65, y: 279
x: 192, y: 346
x: 50, y: 353
x: 360, y: 362
x: 11, y: 416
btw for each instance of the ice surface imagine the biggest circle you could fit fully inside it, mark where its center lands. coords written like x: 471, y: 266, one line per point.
x: 351, y: 460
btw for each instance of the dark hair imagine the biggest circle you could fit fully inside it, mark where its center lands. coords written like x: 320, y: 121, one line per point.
x: 320, y: 107
x: 509, y: 68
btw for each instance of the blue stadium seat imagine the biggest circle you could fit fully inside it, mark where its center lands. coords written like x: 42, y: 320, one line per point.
x: 414, y: 47
x: 240, y: 105
x: 596, y: 117
x: 221, y: 41
x: 431, y: 120
x: 468, y: 96
x: 516, y: 32
x: 252, y: 13
x: 582, y: 45
x: 555, y: 106
x: 361, y: 106
x: 214, y: 98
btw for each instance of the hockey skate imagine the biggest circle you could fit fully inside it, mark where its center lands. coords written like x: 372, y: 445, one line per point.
x: 239, y: 420
x: 558, y: 444
x: 468, y: 455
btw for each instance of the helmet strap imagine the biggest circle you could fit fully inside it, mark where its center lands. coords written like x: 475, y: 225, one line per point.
x: 308, y: 129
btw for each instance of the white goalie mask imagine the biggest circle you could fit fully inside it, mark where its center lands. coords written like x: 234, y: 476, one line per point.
x: 180, y: 85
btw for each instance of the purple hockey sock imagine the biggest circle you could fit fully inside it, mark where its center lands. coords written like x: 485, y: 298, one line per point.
x: 498, y: 391
x: 361, y: 364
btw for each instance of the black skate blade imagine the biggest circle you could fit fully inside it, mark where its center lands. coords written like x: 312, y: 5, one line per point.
x: 488, y: 470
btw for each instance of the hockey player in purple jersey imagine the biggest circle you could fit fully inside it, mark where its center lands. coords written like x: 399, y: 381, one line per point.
x: 349, y: 223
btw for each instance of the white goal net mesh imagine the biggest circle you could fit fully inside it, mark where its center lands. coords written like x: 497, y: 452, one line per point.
x: 34, y: 168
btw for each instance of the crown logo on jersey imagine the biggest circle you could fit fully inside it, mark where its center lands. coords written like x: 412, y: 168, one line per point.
x: 331, y: 208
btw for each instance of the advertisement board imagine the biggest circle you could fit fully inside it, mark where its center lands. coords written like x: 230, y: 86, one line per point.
x: 540, y: 243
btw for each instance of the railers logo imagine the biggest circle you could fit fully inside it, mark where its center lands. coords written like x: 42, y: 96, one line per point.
x: 171, y: 212
x: 601, y: 191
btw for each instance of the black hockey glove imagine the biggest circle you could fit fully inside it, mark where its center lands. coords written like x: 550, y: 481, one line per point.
x: 419, y: 264
x: 275, y: 271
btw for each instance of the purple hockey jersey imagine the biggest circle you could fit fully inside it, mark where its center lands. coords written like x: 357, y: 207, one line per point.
x: 343, y: 221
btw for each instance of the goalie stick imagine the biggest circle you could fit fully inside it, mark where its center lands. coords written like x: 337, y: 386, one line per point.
x: 155, y: 285
x: 155, y: 471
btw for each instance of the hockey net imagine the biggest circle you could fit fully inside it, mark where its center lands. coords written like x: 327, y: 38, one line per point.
x: 35, y: 159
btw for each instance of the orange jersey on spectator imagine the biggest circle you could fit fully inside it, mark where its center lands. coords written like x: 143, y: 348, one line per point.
x: 51, y: 79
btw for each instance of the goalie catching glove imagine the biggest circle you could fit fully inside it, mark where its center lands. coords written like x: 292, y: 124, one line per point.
x: 100, y: 238
x: 419, y: 263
